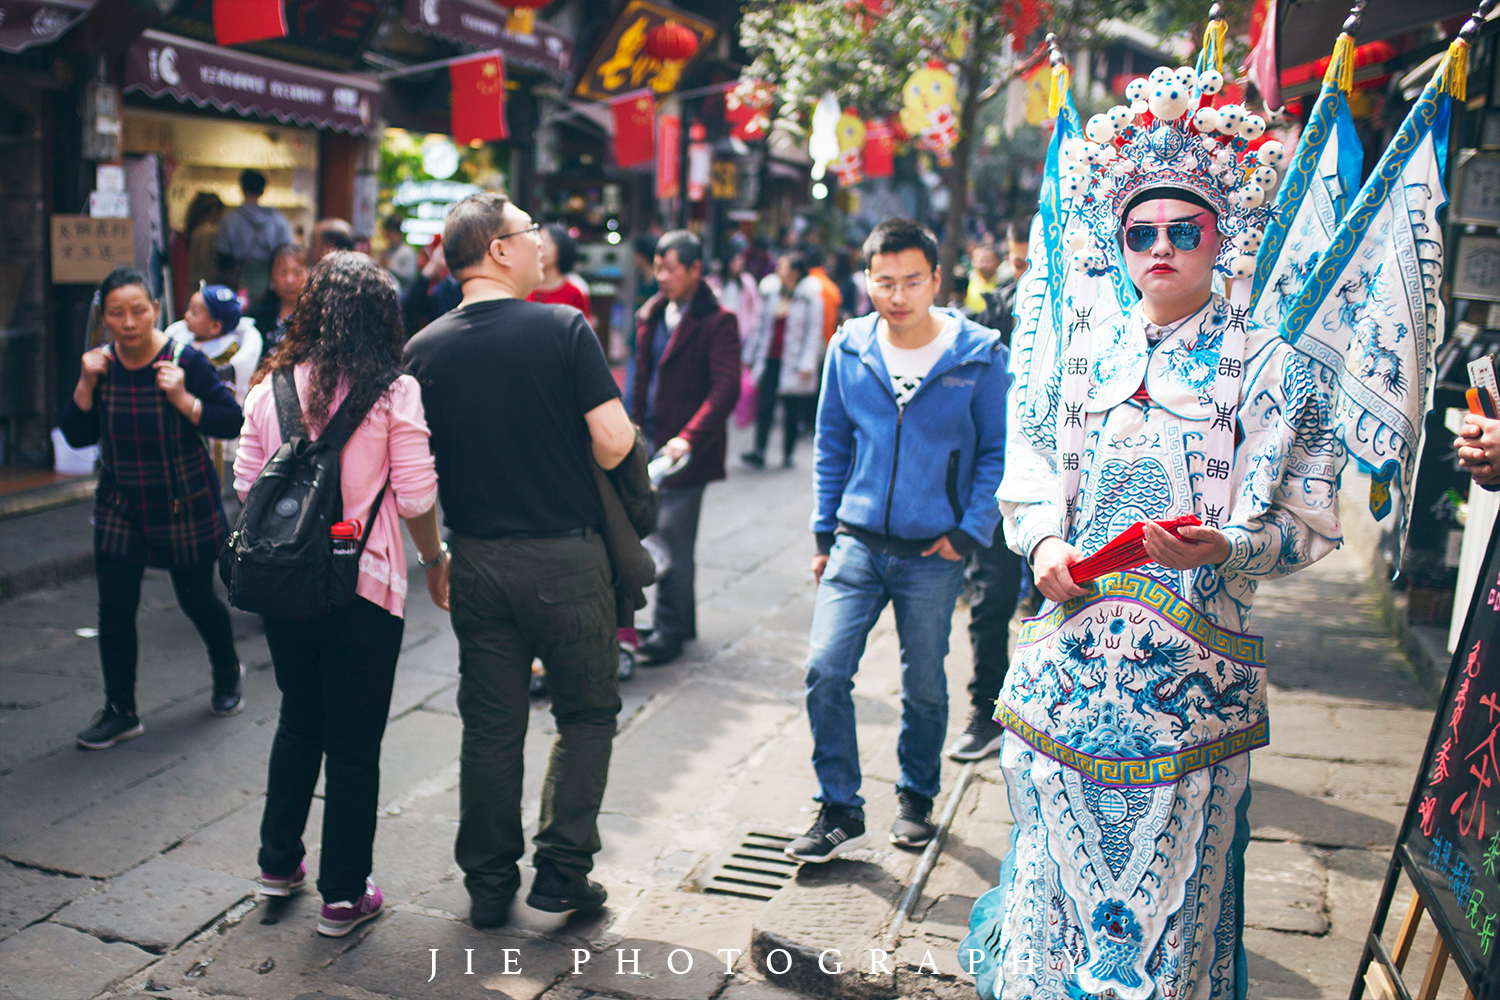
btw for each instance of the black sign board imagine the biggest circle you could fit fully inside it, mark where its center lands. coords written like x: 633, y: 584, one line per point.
x: 1449, y: 844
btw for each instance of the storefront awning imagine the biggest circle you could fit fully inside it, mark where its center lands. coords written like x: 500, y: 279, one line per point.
x: 160, y: 65
x: 483, y: 26
x: 24, y: 23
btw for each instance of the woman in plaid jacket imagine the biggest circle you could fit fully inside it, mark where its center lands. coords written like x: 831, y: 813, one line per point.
x: 147, y: 401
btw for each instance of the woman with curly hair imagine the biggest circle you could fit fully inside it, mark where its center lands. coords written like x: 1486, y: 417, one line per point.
x: 343, y: 347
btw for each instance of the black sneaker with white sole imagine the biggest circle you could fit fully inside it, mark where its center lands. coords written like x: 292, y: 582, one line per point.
x: 552, y: 892
x: 110, y: 726
x: 836, y: 831
x: 913, y: 826
x: 982, y: 738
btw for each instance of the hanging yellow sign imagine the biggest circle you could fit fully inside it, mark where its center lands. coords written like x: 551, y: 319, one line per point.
x: 621, y: 64
x: 725, y: 182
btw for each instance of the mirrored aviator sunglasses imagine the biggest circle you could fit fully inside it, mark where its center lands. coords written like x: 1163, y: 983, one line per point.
x: 1183, y: 235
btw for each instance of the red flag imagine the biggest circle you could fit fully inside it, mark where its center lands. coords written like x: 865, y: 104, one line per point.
x: 635, y: 118
x: 669, y: 156
x: 1262, y: 63
x: 240, y: 21
x: 478, y: 99
x: 879, y: 149
x: 747, y: 110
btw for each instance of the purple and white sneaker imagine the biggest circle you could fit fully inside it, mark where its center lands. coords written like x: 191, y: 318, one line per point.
x: 283, y: 885
x: 338, y: 919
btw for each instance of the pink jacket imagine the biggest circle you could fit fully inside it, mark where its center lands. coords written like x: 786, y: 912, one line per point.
x: 392, y: 441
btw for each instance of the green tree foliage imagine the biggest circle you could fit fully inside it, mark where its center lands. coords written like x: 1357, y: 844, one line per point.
x: 864, y: 51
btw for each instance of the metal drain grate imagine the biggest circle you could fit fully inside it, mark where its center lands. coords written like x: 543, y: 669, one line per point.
x: 755, y: 869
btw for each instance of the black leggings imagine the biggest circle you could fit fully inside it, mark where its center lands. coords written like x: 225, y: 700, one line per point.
x: 335, y: 675
x: 797, y: 411
x: 119, y: 598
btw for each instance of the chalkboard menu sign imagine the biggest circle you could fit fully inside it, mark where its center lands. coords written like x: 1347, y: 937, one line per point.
x: 1449, y: 844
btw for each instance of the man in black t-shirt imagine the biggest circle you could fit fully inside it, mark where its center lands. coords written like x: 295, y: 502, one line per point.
x: 520, y: 400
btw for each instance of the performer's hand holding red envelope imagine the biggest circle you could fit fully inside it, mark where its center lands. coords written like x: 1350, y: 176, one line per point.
x: 1179, y: 543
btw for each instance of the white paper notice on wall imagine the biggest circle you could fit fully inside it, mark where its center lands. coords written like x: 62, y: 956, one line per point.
x: 109, y: 205
x: 109, y: 177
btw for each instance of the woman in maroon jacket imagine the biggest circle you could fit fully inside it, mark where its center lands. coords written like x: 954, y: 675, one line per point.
x: 687, y: 382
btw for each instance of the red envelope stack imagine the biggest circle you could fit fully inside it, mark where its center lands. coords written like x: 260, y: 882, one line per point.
x: 1127, y: 550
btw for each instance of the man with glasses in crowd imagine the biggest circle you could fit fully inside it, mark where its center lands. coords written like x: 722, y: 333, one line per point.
x: 520, y: 401
x: 910, y: 447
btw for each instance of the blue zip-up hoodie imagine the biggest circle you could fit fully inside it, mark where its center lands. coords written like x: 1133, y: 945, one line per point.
x: 930, y: 471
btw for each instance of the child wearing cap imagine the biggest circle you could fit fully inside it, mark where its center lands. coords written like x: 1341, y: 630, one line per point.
x: 214, y: 325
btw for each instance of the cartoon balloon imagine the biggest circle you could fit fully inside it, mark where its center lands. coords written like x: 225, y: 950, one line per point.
x: 927, y: 110
x: 849, y: 166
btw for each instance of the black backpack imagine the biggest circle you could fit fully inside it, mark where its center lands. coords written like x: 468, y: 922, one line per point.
x: 280, y: 560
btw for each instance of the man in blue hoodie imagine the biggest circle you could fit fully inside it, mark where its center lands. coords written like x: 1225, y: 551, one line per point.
x: 909, y: 450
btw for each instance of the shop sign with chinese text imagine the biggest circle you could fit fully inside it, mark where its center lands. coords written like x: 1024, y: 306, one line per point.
x: 85, y: 250
x: 621, y: 64
x: 1450, y: 843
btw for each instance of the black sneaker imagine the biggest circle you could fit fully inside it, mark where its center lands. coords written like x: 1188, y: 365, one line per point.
x: 227, y: 697
x: 552, y: 893
x: 982, y: 738
x: 754, y: 459
x: 109, y: 727
x: 913, y: 826
x: 836, y: 831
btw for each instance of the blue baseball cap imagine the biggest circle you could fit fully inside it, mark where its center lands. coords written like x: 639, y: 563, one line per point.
x: 223, y: 305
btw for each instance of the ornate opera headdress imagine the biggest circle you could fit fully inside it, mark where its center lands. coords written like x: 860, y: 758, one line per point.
x: 1171, y: 136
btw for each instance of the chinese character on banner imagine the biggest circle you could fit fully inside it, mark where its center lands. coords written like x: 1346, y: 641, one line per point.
x: 478, y: 112
x: 880, y: 149
x: 726, y: 180
x: 635, y: 121
x: 668, y: 153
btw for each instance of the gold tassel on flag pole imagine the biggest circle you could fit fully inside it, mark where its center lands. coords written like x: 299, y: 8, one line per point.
x: 1340, y: 71
x: 1455, y: 70
x: 1061, y: 78
x: 1213, y: 39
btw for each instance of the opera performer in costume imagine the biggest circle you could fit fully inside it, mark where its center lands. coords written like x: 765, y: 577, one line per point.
x: 1133, y: 701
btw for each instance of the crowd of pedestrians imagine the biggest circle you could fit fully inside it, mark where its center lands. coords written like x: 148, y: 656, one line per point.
x: 470, y: 380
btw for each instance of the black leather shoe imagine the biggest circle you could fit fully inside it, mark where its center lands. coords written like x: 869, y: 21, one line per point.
x: 483, y: 915
x: 658, y: 650
x: 552, y: 893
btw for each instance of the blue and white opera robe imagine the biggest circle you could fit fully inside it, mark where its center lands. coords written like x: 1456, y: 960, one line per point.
x: 1129, y: 712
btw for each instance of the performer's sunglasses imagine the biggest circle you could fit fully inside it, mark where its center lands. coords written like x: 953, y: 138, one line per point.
x: 1183, y: 235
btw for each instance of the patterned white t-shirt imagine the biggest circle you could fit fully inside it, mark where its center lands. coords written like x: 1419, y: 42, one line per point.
x: 909, y: 366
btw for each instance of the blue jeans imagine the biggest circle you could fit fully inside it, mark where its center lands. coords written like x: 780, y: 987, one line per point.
x: 857, y: 584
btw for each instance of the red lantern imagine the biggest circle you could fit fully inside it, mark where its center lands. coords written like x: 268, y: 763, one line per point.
x: 522, y: 20
x: 671, y: 42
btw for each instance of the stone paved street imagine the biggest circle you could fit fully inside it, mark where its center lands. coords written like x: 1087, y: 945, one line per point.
x: 130, y: 872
